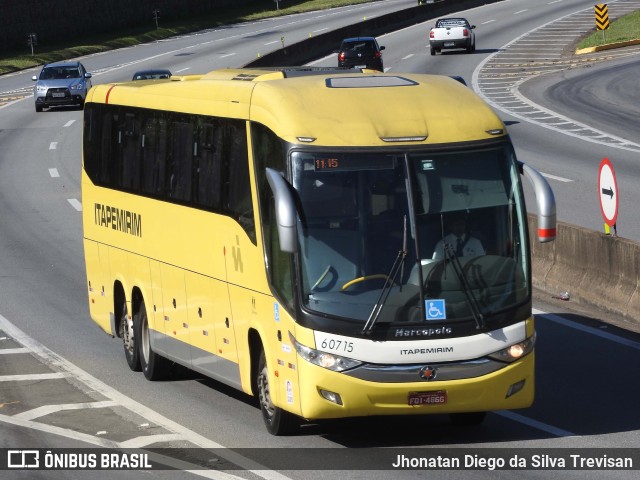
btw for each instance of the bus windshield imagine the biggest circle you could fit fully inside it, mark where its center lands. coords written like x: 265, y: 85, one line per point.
x: 374, y: 227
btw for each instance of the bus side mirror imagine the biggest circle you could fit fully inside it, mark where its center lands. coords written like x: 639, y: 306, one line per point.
x: 285, y: 211
x: 546, y: 204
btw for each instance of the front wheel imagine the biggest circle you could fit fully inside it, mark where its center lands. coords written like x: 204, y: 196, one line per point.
x: 277, y: 421
x: 154, y: 367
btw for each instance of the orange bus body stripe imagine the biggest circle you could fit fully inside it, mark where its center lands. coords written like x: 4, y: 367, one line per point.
x: 106, y: 100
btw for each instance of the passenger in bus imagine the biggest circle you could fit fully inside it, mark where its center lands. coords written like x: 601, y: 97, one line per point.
x: 459, y: 239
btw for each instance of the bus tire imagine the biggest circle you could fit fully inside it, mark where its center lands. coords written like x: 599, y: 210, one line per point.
x: 129, y: 340
x: 153, y: 365
x: 277, y: 421
x: 467, y: 419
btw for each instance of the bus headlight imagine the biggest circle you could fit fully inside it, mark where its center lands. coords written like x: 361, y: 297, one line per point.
x: 516, y: 351
x: 324, y: 359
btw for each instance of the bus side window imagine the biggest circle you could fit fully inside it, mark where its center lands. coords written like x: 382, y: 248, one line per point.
x: 238, y: 189
x: 180, y: 166
x: 154, y: 155
x: 130, y: 150
x: 208, y: 187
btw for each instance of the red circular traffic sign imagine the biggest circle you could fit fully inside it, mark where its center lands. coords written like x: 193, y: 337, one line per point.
x: 608, y: 192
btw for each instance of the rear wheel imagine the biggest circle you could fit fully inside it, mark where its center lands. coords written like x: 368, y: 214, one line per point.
x: 153, y: 365
x: 277, y: 421
x: 433, y: 51
x: 127, y: 332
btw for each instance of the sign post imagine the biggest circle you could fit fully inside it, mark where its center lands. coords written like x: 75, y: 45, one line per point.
x: 608, y: 192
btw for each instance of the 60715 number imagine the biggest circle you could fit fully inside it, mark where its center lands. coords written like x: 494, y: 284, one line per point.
x: 335, y: 345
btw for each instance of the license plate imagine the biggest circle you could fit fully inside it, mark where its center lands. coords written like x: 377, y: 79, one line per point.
x: 449, y: 44
x: 56, y: 94
x: 360, y: 66
x: 438, y: 397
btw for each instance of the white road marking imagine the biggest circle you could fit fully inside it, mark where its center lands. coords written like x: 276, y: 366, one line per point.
x: 69, y: 123
x: 146, y: 440
x: 31, y: 377
x: 227, y: 55
x: 54, y: 172
x: 75, y: 204
x: 535, y: 424
x: 11, y: 351
x: 53, y: 145
x: 66, y: 368
x: 48, y: 409
x: 586, y: 329
x: 554, y: 177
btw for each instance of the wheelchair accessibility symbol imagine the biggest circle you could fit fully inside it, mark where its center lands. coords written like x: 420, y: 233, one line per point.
x: 435, y: 309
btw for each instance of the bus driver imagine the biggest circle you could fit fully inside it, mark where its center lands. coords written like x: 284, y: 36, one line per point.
x: 461, y: 242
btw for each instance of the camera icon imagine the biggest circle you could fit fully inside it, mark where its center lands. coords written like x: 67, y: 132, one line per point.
x: 23, y: 459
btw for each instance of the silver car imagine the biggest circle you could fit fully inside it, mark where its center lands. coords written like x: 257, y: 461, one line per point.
x: 61, y: 84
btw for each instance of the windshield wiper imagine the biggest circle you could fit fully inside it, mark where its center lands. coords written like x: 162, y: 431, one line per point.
x: 398, y: 265
x: 466, y: 288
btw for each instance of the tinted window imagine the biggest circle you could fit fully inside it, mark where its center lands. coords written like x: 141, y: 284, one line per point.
x: 192, y: 160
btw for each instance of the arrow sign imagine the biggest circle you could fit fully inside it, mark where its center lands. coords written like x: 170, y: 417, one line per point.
x: 608, y: 192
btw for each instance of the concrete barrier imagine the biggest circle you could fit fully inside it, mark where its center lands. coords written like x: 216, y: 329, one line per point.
x: 597, y: 270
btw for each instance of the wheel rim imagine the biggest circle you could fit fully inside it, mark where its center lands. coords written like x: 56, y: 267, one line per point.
x: 126, y: 332
x: 264, y: 394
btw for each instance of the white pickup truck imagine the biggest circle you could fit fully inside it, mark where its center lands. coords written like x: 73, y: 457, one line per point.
x: 452, y: 33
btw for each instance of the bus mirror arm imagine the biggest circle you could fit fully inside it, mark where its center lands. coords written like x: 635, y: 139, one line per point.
x: 546, y: 204
x: 285, y: 211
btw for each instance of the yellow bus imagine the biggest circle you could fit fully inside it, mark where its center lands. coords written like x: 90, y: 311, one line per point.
x: 287, y: 232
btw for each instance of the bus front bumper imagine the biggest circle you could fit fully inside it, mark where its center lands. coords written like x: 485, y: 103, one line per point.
x: 328, y: 394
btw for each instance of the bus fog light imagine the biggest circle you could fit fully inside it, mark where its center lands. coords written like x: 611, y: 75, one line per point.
x: 331, y: 396
x: 515, y: 388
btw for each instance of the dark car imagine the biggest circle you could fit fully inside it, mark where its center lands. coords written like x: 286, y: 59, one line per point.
x: 360, y: 52
x: 61, y: 84
x: 157, y: 74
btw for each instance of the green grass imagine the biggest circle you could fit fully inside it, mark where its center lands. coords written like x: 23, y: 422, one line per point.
x: 622, y: 30
x: 19, y: 60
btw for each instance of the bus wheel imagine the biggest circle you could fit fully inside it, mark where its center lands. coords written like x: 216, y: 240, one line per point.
x: 153, y: 365
x: 277, y: 421
x: 467, y: 419
x: 130, y: 340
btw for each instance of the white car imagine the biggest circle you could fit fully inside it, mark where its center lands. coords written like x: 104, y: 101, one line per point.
x: 450, y: 33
